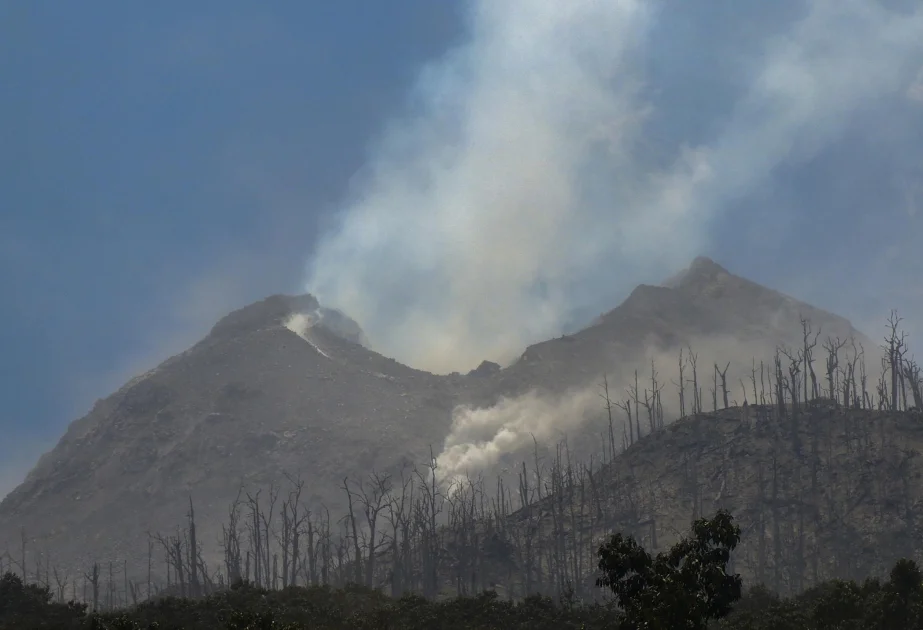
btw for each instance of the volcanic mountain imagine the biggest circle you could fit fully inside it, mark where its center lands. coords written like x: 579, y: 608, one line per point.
x: 286, y: 386
x: 704, y: 308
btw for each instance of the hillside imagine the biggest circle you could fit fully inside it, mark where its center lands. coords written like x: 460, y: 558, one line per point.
x: 255, y: 399
x: 820, y: 493
x: 249, y: 401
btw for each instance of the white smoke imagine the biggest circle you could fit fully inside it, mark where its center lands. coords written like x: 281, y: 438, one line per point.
x: 480, y: 436
x: 519, y: 182
x: 301, y: 324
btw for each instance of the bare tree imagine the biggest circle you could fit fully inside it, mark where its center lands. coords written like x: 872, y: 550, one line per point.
x: 696, y: 392
x: 912, y: 374
x: 894, y: 349
x: 256, y: 538
x: 398, y: 517
x: 428, y: 507
x: 193, y: 550
x: 374, y: 501
x: 93, y: 578
x: 608, y: 402
x: 266, y: 518
x: 60, y: 580
x: 626, y: 406
x: 294, y: 522
x: 833, y: 347
x: 654, y: 406
x: 681, y: 386
x: 231, y: 542
x: 22, y: 538
x: 807, y: 350
x: 722, y: 374
x: 350, y: 520
x: 633, y: 394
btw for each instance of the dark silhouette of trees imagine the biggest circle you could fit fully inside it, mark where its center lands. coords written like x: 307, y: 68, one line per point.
x: 680, y: 589
x: 25, y: 605
x: 684, y: 587
x: 900, y: 604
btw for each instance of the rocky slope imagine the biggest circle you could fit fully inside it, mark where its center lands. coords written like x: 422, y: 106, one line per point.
x: 251, y: 400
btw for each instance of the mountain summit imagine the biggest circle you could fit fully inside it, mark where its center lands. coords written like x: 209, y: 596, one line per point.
x: 279, y: 310
x: 286, y: 386
x: 699, y: 273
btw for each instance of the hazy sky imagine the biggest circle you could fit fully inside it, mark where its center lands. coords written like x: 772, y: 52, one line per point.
x: 457, y: 170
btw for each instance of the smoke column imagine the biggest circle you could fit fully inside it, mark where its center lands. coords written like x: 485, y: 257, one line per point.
x: 520, y: 178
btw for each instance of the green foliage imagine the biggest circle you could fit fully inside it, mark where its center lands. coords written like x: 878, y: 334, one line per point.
x: 838, y: 605
x: 29, y: 606
x: 688, y: 580
x: 682, y: 588
x: 249, y: 608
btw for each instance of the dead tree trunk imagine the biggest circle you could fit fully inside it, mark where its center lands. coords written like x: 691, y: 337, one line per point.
x: 93, y: 578
x: 351, y: 516
x: 894, y: 347
x: 193, y: 554
x: 722, y: 374
x: 807, y: 350
x: 696, y: 392
x: 912, y: 373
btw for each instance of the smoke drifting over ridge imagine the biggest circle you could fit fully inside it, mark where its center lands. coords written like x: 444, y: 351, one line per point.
x: 479, y: 437
x: 523, y: 175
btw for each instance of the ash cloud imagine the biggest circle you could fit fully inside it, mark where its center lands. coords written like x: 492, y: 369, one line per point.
x: 530, y: 172
x: 479, y: 438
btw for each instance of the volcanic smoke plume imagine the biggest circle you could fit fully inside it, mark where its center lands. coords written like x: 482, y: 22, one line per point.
x: 530, y: 172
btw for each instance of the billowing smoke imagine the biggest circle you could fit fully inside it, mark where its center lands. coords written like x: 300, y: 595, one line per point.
x: 479, y: 438
x: 332, y: 320
x: 529, y: 173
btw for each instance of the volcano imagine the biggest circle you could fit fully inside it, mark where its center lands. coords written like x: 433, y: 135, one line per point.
x: 285, y: 386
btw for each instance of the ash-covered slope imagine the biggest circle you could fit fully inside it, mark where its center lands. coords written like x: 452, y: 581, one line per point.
x: 721, y: 316
x: 820, y: 492
x: 251, y: 400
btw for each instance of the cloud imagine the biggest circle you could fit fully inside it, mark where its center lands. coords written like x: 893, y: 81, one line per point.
x: 915, y: 90
x: 521, y: 179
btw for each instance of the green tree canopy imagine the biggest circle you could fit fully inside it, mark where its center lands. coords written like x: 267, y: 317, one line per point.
x: 682, y: 588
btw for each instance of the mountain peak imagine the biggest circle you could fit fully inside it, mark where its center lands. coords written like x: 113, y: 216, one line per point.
x: 276, y: 310
x: 272, y: 311
x: 705, y: 265
x: 701, y: 271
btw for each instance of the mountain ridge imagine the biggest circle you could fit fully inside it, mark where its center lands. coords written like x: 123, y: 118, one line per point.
x: 255, y: 398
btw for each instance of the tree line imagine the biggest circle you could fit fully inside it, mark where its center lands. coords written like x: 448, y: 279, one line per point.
x: 689, y: 586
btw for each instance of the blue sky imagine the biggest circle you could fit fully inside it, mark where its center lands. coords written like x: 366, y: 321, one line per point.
x: 163, y: 165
